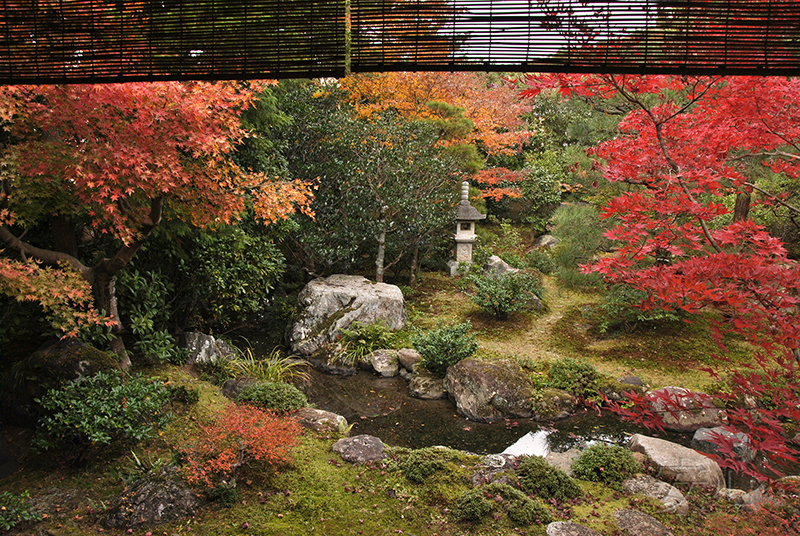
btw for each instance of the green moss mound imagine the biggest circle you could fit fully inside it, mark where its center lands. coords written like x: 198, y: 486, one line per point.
x: 476, y: 503
x: 420, y: 464
x: 607, y: 464
x: 274, y: 396
x: 540, y: 478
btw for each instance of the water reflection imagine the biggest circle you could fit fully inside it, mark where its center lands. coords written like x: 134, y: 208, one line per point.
x: 381, y: 407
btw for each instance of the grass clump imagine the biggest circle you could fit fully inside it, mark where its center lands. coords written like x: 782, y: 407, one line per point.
x: 273, y: 368
x: 362, y: 339
x: 275, y: 396
x: 540, y: 478
x: 607, y: 464
x: 444, y: 346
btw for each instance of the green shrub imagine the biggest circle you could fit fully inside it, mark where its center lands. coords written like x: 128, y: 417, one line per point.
x: 540, y: 478
x: 506, y: 293
x: 521, y: 509
x: 275, y: 396
x: 472, y: 506
x: 608, y: 464
x: 420, y: 464
x: 444, y: 346
x: 620, y: 310
x: 579, y: 379
x: 541, y: 261
x: 143, y: 302
x: 14, y: 509
x: 102, y: 409
x: 580, y: 233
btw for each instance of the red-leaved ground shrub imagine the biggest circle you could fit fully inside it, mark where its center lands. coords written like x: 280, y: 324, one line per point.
x: 235, y: 437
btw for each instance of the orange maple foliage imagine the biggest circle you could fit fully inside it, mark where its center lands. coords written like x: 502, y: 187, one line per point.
x: 118, y: 154
x: 494, y: 107
x: 236, y: 436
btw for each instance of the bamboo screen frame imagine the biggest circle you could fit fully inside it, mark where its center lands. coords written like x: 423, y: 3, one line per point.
x: 57, y: 41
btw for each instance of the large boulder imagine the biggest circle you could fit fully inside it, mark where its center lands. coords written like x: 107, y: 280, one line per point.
x: 490, y: 390
x: 328, y: 305
x: 51, y: 366
x: 683, y: 410
x: 159, y: 497
x: 678, y: 463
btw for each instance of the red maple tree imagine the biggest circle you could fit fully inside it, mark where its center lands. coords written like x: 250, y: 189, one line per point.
x: 690, y: 144
x: 117, y: 155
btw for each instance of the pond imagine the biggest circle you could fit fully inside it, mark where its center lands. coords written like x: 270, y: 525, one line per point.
x: 382, y: 407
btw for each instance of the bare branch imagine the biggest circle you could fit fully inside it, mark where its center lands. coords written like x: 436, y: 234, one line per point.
x: 44, y: 255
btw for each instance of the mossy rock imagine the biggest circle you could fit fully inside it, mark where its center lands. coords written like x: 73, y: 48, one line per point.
x: 49, y: 367
x: 553, y: 404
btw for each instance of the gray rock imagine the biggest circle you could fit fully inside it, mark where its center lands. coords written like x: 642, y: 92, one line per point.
x: 685, y: 411
x: 325, y: 306
x: 321, y: 420
x: 205, y: 348
x: 676, y: 463
x: 408, y: 358
x: 234, y: 386
x: 672, y: 499
x: 496, y: 266
x: 495, y: 468
x: 426, y: 387
x: 731, y: 495
x: 636, y: 523
x: 563, y: 460
x: 553, y: 404
x: 568, y: 528
x: 708, y: 440
x: 762, y: 497
x: 157, y: 498
x: 546, y: 241
x: 489, y: 390
x: 384, y: 362
x: 631, y: 380
x: 360, y: 449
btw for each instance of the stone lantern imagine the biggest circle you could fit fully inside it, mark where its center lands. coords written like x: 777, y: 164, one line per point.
x: 465, y: 230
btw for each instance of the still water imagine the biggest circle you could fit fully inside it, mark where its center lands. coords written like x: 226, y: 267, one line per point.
x: 382, y: 407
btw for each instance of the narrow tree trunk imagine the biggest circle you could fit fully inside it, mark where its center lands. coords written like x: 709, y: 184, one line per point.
x: 105, y: 299
x: 741, y: 210
x: 381, y: 255
x: 412, y: 270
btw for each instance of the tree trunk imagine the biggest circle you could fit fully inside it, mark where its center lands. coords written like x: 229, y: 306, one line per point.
x: 105, y: 300
x: 741, y: 209
x: 381, y: 255
x: 412, y: 270
x: 63, y: 235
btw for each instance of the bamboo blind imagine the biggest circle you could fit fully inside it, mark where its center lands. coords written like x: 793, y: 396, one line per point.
x: 53, y: 41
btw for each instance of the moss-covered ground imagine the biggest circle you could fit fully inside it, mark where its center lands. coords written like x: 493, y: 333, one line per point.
x: 318, y: 493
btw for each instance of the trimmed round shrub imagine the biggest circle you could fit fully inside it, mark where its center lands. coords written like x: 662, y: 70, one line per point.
x: 472, y: 506
x: 444, y: 346
x: 608, y: 464
x: 275, y: 396
x: 579, y: 379
x: 540, y: 478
